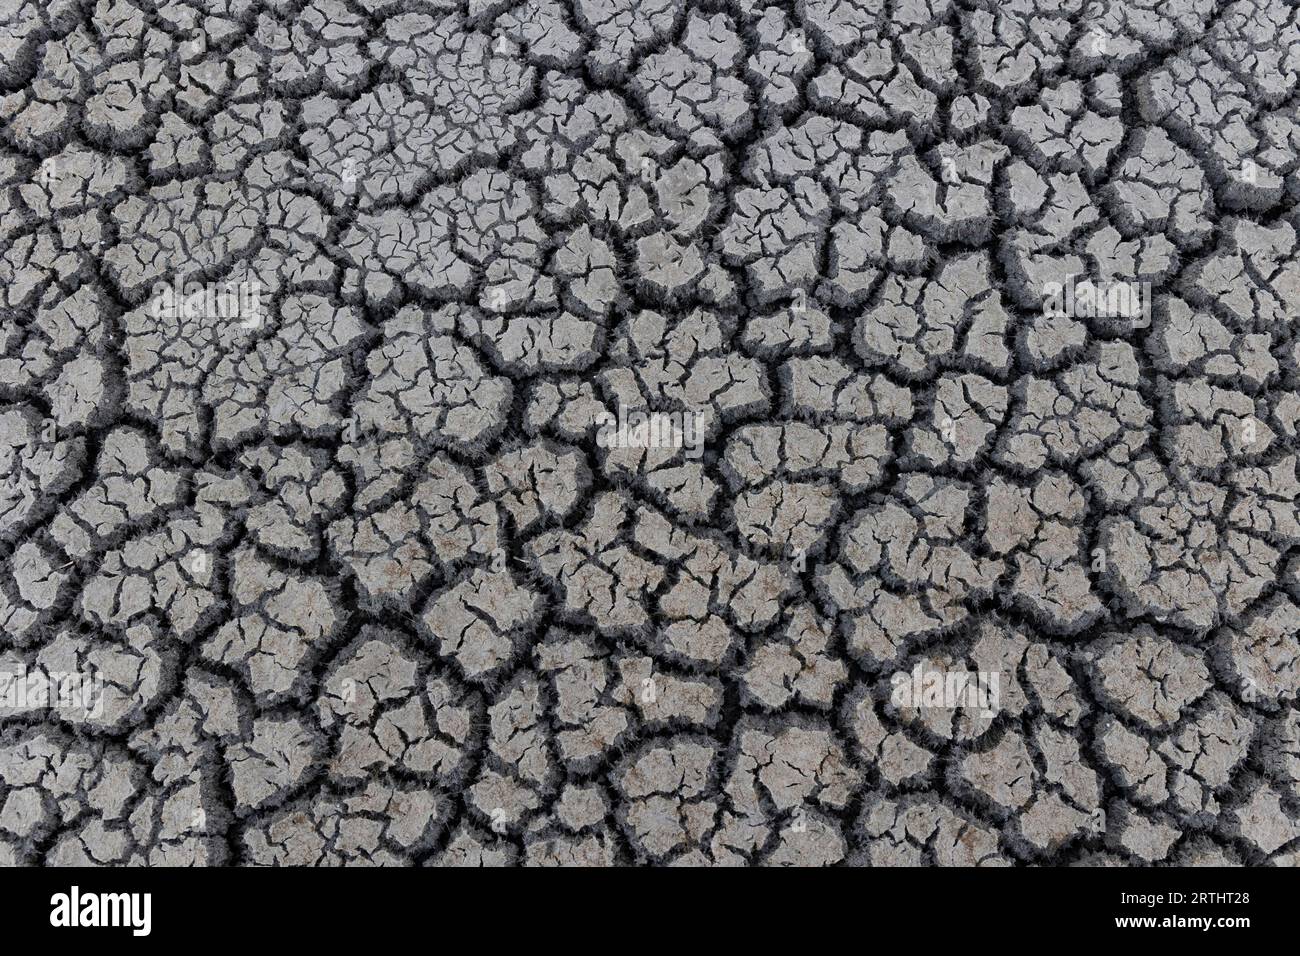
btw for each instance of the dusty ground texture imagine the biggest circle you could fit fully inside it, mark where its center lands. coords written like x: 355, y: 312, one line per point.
x: 363, y: 583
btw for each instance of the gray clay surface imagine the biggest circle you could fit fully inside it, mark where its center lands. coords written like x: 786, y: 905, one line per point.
x: 363, y: 582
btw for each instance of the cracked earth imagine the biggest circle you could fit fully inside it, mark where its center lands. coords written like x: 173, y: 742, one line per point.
x: 362, y: 578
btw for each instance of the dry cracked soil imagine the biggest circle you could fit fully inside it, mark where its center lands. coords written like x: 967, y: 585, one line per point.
x: 649, y: 432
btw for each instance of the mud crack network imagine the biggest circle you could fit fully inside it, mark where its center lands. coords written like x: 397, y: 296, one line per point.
x: 649, y: 432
